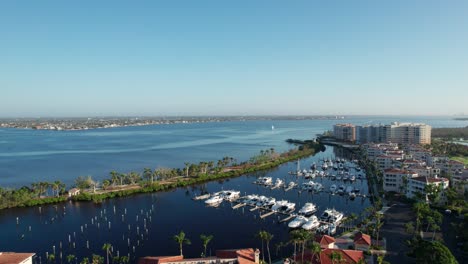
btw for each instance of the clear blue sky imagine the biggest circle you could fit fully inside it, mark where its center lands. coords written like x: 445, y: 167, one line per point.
x: 87, y: 58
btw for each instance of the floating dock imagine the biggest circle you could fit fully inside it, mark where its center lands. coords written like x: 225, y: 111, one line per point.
x: 267, y: 214
x: 239, y: 205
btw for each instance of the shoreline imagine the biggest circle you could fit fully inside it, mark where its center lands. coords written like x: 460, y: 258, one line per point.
x: 181, y: 181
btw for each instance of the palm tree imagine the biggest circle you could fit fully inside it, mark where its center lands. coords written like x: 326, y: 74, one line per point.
x: 71, y: 258
x: 148, y: 174
x: 187, y: 165
x: 315, y: 249
x: 114, y: 177
x: 181, y: 239
x: 205, y: 240
x: 261, y: 237
x: 51, y: 258
x: 268, y: 237
x: 107, y: 248
x: 84, y: 261
x: 295, y: 238
x: 336, y: 257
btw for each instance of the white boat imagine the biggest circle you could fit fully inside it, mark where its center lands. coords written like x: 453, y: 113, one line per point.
x: 312, y: 223
x: 313, y: 166
x: 324, y: 166
x: 214, y: 200
x: 333, y: 188
x: 352, y: 178
x: 352, y: 195
x: 270, y: 202
x: 265, y: 180
x: 308, y: 209
x: 297, y: 222
x: 292, y: 185
x: 331, y: 215
x: 283, y: 207
x: 308, y: 185
x: 278, y: 182
x: 261, y: 201
x: 318, y: 187
x: 331, y: 229
x: 322, y: 228
x: 230, y: 195
x: 252, y: 200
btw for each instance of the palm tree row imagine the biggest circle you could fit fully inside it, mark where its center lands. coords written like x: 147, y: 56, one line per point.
x: 182, y: 240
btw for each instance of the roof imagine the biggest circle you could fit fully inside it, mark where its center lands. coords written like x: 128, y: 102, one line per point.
x: 74, y: 190
x: 325, y: 240
x: 349, y: 256
x: 244, y: 256
x: 362, y: 239
x: 429, y: 179
x: 14, y: 258
x: 393, y: 170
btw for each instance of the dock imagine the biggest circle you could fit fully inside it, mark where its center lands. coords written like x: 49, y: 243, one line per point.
x: 202, y: 197
x: 267, y: 214
x: 239, y: 205
x: 255, y: 208
x: 287, y: 218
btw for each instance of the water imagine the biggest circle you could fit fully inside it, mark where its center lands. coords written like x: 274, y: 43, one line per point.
x: 30, y: 156
x: 27, y: 156
x: 172, y: 211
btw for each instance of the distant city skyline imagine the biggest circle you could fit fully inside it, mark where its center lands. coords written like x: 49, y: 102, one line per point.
x: 191, y: 58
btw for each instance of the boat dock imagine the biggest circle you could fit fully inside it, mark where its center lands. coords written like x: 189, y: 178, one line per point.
x: 202, y: 197
x: 239, y: 205
x: 291, y: 216
x: 267, y: 214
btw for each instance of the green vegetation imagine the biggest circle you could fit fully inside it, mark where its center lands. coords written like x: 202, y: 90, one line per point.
x: 265, y: 237
x: 205, y: 240
x: 160, y: 179
x: 450, y: 133
x: 430, y: 252
x: 181, y: 240
x: 441, y: 147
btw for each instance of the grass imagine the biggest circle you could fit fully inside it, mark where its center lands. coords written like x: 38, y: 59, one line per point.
x: 461, y: 159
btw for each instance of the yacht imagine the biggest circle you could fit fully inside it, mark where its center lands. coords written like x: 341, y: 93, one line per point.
x: 265, y: 180
x: 230, y: 195
x: 291, y: 185
x: 313, y: 166
x: 333, y: 188
x: 308, y: 185
x: 252, y: 200
x: 324, y: 166
x: 312, y: 223
x: 352, y: 178
x: 261, y: 201
x: 331, y: 229
x: 278, y: 182
x: 215, y: 200
x: 352, y: 195
x: 322, y: 228
x: 297, y: 222
x: 318, y: 187
x: 270, y: 202
x: 308, y: 209
x: 341, y: 189
x: 283, y: 206
x: 331, y: 215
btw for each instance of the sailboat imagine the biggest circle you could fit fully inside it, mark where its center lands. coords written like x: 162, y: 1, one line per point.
x: 272, y: 127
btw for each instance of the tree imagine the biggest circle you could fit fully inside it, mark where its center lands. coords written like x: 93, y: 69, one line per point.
x: 205, y: 240
x: 267, y: 237
x: 105, y: 184
x: 181, y: 239
x: 260, y: 236
x: 84, y: 261
x: 336, y: 257
x: 96, y: 259
x: 148, y: 174
x: 51, y: 258
x: 107, y: 248
x: 295, y: 238
x: 187, y: 165
x: 71, y: 258
x: 315, y: 250
x: 431, y: 252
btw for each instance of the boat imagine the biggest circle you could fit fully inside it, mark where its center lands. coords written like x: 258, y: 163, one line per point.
x: 278, y: 182
x: 298, y: 221
x: 318, y: 187
x: 341, y: 190
x: 324, y: 166
x: 333, y: 188
x: 338, y: 177
x: 291, y: 185
x: 230, y: 195
x: 313, y: 166
x: 352, y: 178
x: 322, y: 228
x: 261, y: 201
x: 252, y: 200
x: 270, y: 202
x: 283, y: 206
x: 352, y: 195
x: 265, y: 180
x: 214, y: 200
x: 308, y: 185
x: 331, y: 229
x: 331, y: 215
x: 308, y: 209
x: 312, y: 223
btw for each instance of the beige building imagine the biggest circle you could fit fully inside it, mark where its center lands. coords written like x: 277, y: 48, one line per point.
x: 401, y: 133
x: 346, y: 132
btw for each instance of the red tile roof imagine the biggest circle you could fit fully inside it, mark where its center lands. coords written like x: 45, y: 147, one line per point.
x: 429, y: 179
x: 244, y: 256
x: 14, y: 258
x: 349, y: 256
x: 362, y: 239
x: 325, y: 240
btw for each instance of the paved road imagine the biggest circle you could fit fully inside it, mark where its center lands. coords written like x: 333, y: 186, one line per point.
x: 394, y: 232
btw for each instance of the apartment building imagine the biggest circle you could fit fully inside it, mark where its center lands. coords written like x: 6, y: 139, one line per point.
x: 418, y: 184
x: 345, y: 132
x: 394, y: 179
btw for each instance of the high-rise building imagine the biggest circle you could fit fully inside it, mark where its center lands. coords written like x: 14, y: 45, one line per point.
x: 345, y: 132
x: 404, y: 133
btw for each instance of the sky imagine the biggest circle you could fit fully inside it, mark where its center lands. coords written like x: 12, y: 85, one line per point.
x: 245, y: 57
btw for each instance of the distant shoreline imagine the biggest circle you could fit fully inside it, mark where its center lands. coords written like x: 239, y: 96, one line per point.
x: 71, y: 124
